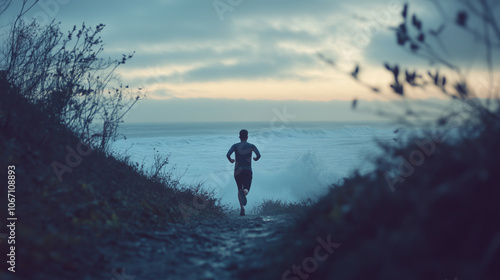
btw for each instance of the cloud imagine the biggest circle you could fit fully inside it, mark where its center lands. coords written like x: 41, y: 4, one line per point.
x: 241, y: 110
x: 186, y: 42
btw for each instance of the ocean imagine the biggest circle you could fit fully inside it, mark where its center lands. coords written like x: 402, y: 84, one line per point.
x: 299, y: 159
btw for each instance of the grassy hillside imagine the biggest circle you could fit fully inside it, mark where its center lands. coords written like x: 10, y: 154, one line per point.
x: 64, y: 226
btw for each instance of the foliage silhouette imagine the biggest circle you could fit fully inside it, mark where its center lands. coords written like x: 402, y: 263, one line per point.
x: 440, y: 221
x: 65, y: 75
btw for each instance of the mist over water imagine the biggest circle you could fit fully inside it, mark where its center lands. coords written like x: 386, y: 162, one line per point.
x: 299, y: 160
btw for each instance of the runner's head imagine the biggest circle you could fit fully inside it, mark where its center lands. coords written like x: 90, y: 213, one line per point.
x: 243, y: 135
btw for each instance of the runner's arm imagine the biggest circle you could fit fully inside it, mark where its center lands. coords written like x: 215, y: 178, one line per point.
x: 257, y: 153
x: 228, y: 155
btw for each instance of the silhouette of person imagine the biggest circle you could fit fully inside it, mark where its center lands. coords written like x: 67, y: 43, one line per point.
x: 243, y: 166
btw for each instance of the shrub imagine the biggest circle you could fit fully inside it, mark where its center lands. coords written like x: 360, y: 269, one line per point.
x: 65, y: 75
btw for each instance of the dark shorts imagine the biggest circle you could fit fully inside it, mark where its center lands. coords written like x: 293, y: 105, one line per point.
x: 243, y: 178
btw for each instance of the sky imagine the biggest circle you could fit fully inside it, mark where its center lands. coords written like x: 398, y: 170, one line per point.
x: 208, y: 54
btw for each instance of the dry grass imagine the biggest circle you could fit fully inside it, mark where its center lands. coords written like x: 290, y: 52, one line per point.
x: 279, y: 207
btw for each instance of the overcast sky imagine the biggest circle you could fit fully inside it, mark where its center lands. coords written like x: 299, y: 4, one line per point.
x: 260, y: 49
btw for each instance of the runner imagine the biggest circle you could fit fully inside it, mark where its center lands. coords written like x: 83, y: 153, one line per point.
x: 243, y: 166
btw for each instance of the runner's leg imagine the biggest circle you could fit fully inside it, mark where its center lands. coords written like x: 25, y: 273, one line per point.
x: 247, y: 182
x: 239, y: 184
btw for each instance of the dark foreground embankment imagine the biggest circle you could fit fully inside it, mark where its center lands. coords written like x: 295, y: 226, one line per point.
x: 438, y: 220
x: 63, y: 221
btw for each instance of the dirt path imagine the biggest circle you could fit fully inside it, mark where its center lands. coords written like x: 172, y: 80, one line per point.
x: 206, y: 249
